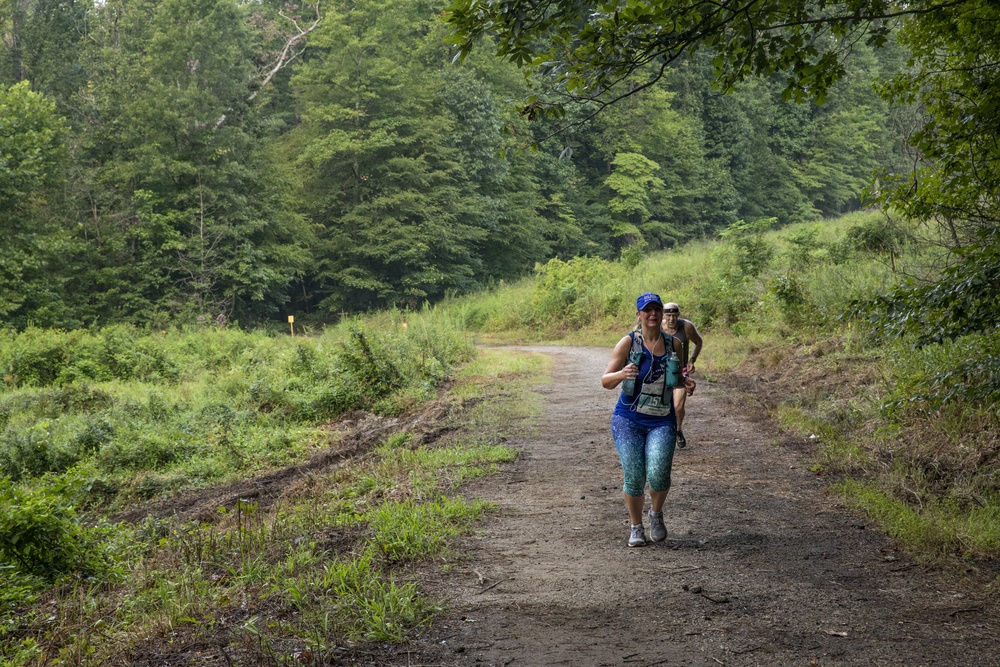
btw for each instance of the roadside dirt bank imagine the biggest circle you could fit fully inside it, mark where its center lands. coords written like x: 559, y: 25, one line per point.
x: 761, y: 566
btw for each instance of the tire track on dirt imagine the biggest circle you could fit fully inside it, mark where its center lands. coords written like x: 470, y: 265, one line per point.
x: 355, y: 433
x: 761, y: 566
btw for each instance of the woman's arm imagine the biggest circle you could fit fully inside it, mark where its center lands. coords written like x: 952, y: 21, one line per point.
x: 617, y: 369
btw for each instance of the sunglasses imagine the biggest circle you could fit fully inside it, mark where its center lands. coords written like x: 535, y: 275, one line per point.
x: 672, y: 311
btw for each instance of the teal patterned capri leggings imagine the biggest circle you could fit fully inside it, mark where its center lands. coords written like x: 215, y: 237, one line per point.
x: 647, y: 454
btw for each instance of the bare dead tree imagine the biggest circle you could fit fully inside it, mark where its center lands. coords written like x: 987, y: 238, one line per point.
x: 293, y: 48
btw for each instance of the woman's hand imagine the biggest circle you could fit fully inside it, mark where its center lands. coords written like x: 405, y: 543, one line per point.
x: 618, y: 370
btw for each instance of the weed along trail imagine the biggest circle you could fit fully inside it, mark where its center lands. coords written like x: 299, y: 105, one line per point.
x: 761, y: 566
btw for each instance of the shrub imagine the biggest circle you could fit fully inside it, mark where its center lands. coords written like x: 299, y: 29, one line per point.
x: 792, y: 299
x: 805, y: 247
x: 369, y: 365
x: 966, y: 371
x: 149, y: 448
x: 34, y: 358
x: 330, y: 402
x: 36, y: 450
x: 724, y: 300
x: 751, y: 252
x: 634, y: 253
x: 877, y: 235
x: 40, y: 358
x: 40, y: 533
x: 561, y: 288
x: 18, y: 590
x: 53, y: 403
x: 128, y: 356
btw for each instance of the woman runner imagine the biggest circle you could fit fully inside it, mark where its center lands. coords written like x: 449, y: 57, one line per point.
x: 643, y: 424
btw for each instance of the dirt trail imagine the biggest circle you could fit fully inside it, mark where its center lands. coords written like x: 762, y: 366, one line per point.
x: 761, y: 566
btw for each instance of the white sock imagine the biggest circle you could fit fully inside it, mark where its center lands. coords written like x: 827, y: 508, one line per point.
x: 636, y: 525
x: 652, y: 513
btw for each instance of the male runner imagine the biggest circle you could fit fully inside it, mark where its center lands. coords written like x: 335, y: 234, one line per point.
x: 687, y: 333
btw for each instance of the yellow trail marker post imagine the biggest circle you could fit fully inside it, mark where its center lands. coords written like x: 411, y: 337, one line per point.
x: 291, y: 324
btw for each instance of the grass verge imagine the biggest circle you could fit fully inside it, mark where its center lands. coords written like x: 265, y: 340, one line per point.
x: 323, y: 573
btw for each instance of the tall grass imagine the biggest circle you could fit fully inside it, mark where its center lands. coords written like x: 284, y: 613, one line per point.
x: 93, y: 421
x: 157, y: 412
x: 812, y: 274
x: 302, y: 580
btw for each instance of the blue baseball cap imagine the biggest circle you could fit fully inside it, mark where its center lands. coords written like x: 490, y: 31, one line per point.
x: 647, y: 299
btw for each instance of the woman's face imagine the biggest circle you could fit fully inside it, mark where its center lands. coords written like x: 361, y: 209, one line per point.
x: 651, y: 316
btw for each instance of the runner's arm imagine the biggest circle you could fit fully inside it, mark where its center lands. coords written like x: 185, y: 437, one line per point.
x: 617, y: 369
x: 692, y: 335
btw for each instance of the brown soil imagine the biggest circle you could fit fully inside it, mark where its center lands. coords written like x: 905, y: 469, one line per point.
x: 761, y: 567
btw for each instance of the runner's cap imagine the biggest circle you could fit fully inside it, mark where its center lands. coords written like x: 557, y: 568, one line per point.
x: 647, y: 299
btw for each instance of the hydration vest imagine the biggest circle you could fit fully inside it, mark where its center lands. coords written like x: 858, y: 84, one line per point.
x: 656, y: 398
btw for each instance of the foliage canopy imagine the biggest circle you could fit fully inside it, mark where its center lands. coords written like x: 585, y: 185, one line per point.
x: 589, y: 50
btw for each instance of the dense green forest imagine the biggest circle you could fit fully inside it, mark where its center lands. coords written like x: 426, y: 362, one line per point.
x: 171, y: 160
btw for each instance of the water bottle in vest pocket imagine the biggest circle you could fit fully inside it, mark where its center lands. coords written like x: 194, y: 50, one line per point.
x: 634, y: 357
x: 674, y: 377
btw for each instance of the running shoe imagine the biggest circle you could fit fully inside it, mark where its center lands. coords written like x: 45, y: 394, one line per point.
x: 638, y: 537
x: 657, y: 531
x: 681, y: 440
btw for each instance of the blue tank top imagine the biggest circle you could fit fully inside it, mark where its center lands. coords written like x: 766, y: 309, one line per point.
x: 651, y: 369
